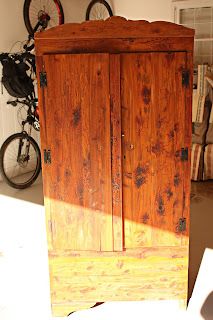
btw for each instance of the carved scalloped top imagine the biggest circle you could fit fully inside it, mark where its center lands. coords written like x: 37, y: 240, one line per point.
x: 115, y: 27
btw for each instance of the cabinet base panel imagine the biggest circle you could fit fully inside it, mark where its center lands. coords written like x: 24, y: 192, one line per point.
x: 133, y: 275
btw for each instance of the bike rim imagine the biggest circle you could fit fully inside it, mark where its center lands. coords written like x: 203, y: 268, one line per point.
x: 99, y: 12
x: 39, y: 10
x: 22, y: 171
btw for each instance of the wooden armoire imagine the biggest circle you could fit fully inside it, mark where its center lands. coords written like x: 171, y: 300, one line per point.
x: 115, y: 110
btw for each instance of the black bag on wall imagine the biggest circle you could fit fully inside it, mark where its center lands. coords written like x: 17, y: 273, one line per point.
x: 15, y: 79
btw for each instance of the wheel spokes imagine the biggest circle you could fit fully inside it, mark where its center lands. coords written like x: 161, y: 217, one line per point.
x: 99, y: 12
x: 20, y: 170
x: 44, y: 7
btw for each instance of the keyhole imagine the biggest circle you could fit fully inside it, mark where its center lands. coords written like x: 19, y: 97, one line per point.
x: 131, y: 146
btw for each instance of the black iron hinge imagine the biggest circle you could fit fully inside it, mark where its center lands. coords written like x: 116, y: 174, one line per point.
x: 43, y: 79
x: 47, y: 156
x: 185, y: 78
x: 184, y: 154
x: 182, y: 225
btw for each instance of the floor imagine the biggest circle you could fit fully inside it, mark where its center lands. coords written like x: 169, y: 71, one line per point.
x: 201, y: 226
x: 24, y: 287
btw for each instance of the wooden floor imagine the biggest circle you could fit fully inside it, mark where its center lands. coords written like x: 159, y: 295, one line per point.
x: 201, y: 226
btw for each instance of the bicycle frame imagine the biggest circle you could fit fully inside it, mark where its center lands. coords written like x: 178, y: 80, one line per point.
x: 26, y: 155
x: 23, y: 140
x: 30, y: 119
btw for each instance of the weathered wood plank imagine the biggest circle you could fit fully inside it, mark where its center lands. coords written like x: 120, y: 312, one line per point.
x: 44, y: 46
x: 164, y: 124
x: 108, y: 266
x: 80, y: 189
x: 46, y: 174
x: 152, y: 123
x: 115, y: 27
x: 116, y: 152
x: 179, y: 127
x: 100, y: 143
x: 120, y: 290
x: 137, y: 171
x: 144, y: 252
x: 151, y: 273
x: 187, y: 139
x: 104, y: 288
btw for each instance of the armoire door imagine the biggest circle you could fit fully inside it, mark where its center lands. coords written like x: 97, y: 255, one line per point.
x: 155, y: 173
x: 83, y: 102
x: 76, y: 130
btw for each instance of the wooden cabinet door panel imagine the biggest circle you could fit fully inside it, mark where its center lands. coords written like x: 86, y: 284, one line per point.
x: 153, y: 125
x: 77, y: 131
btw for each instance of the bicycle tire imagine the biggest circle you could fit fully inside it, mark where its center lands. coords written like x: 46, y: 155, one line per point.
x: 3, y: 149
x: 93, y: 3
x: 28, y: 19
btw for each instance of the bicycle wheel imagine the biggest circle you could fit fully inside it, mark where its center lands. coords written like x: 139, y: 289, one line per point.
x: 49, y: 13
x: 98, y: 10
x: 20, y: 160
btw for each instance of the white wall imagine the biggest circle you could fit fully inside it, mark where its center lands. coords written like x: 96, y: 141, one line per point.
x: 75, y: 10
x: 150, y: 10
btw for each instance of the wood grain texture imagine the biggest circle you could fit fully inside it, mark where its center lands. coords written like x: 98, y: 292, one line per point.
x: 115, y: 35
x: 188, y: 140
x: 145, y: 252
x: 115, y: 105
x: 150, y: 276
x: 138, y: 274
x: 45, y: 46
x: 136, y: 103
x: 153, y: 127
x: 115, y: 27
x: 44, y: 145
x: 166, y: 127
x: 80, y: 172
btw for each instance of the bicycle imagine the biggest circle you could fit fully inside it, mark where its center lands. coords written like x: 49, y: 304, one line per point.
x: 98, y: 10
x: 44, y: 14
x: 20, y: 158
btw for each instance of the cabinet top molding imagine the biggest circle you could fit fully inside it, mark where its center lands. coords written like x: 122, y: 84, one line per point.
x: 116, y: 27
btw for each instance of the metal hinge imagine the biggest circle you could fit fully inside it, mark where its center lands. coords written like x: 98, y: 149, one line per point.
x: 182, y: 224
x: 185, y: 78
x: 43, y: 79
x: 184, y: 154
x: 47, y: 156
